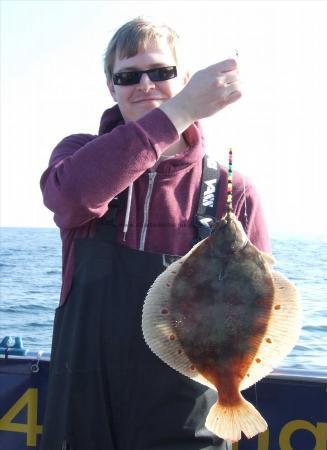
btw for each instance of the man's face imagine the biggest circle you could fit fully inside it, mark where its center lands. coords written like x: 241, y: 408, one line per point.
x: 138, y: 99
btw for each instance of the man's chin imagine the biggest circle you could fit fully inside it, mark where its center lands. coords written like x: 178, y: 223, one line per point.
x: 143, y: 108
x: 149, y: 104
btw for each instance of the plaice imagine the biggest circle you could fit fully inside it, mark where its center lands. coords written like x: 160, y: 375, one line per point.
x: 223, y: 317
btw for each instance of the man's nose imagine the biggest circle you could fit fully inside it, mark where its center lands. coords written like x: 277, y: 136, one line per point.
x: 145, y: 82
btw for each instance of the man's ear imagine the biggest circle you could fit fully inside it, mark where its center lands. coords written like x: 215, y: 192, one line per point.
x: 111, y: 88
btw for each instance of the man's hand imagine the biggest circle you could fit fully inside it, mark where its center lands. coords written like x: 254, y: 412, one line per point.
x: 208, y: 91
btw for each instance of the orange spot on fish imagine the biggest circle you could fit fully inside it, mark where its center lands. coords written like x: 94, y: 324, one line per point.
x: 172, y: 337
x: 174, y: 271
x: 164, y: 311
x: 258, y: 360
x: 180, y: 352
x: 192, y: 368
x: 277, y: 306
x: 268, y: 340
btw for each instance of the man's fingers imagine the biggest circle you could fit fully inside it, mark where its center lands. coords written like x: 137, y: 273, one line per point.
x: 233, y: 96
x: 230, y: 92
x: 223, y: 67
x: 209, y: 90
x: 221, y: 81
x: 228, y: 65
x: 228, y: 78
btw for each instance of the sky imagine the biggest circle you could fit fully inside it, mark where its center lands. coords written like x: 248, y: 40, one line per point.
x: 53, y: 85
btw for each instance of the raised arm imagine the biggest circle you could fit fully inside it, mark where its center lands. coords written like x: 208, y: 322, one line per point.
x: 86, y: 171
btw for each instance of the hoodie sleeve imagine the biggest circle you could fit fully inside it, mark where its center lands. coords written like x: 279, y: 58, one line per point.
x: 86, y: 172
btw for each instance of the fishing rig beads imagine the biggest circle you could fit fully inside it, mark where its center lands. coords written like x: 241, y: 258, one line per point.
x: 229, y: 205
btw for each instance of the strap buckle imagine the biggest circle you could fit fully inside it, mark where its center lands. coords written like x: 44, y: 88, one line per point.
x: 204, y: 226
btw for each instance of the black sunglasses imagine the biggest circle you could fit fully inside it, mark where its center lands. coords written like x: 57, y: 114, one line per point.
x: 158, y: 74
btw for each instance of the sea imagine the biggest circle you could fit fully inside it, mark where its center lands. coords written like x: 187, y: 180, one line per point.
x: 30, y: 281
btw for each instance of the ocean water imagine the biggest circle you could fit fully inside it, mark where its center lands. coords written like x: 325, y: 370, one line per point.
x: 30, y: 271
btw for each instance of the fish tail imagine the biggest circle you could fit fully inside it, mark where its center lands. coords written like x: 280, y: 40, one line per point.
x: 228, y: 422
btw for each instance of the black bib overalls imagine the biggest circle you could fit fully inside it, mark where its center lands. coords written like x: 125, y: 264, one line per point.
x: 107, y: 390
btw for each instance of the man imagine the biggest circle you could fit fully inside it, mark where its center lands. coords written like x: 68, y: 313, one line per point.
x: 107, y: 391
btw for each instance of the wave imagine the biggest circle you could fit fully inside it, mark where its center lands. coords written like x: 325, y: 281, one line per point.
x: 34, y: 307
x: 315, y: 328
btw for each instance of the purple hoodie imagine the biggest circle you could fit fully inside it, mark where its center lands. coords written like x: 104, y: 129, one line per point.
x: 87, y: 171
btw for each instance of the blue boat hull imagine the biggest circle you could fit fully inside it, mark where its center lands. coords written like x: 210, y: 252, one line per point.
x: 293, y: 403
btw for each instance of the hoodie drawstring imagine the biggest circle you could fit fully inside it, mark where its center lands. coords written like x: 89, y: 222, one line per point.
x: 128, y: 210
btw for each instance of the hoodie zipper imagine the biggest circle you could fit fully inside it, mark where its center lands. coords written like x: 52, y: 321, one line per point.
x: 152, y: 176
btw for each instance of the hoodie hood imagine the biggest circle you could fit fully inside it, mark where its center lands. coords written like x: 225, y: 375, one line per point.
x: 110, y: 119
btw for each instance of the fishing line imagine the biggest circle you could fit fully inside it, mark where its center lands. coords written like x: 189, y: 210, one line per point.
x: 245, y: 207
x: 229, y: 202
x: 229, y: 205
x: 237, y: 57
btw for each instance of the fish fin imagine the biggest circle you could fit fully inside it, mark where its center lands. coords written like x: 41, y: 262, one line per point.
x: 268, y: 258
x: 158, y: 329
x: 282, y: 332
x: 228, y: 422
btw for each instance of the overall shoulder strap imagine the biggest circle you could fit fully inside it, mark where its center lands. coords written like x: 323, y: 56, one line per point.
x: 106, y: 226
x: 205, y: 217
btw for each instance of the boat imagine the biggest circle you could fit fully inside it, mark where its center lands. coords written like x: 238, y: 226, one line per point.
x: 293, y: 402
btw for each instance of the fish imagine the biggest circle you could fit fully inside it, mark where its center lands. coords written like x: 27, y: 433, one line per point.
x: 222, y: 316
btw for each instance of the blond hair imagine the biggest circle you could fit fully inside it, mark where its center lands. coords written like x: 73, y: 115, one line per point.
x: 133, y: 37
